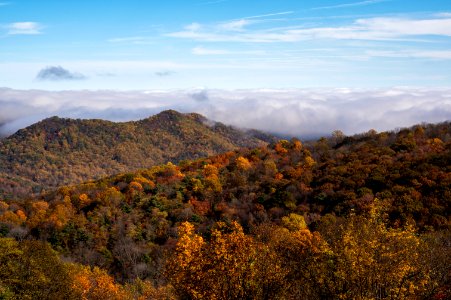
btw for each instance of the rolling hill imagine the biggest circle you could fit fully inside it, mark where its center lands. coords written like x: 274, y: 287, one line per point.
x: 59, y: 151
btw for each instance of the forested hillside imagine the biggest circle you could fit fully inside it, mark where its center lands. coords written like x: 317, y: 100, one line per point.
x: 59, y: 151
x: 362, y: 217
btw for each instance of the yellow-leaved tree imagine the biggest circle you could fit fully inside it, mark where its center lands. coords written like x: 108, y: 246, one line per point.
x: 231, y: 265
x: 371, y: 261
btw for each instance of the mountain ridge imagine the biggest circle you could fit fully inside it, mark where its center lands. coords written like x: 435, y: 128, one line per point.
x: 58, y: 151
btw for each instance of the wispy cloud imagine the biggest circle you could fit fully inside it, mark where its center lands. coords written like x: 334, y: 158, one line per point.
x: 235, y: 25
x: 361, y: 3
x: 396, y: 27
x: 58, y: 73
x: 213, y: 2
x: 106, y: 74
x: 206, y: 51
x: 428, y: 54
x: 296, y: 112
x: 128, y: 39
x: 271, y: 15
x: 4, y: 3
x: 209, y: 51
x: 193, y: 26
x: 361, y: 29
x: 25, y: 28
x: 241, y: 23
x: 165, y: 73
x: 134, y: 40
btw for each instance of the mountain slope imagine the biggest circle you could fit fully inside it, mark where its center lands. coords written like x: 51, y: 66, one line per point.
x: 126, y: 222
x: 285, y: 207
x: 59, y: 151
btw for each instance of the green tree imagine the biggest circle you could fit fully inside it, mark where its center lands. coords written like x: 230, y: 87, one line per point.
x: 32, y: 270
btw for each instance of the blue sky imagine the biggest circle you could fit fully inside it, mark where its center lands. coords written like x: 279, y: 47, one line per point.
x: 229, y: 44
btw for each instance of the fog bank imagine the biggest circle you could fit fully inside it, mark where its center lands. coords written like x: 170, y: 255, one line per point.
x: 291, y: 112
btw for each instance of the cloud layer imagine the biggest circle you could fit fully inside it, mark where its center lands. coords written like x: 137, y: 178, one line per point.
x: 304, y: 113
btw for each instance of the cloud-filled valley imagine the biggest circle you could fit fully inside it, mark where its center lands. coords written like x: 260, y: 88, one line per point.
x: 305, y: 113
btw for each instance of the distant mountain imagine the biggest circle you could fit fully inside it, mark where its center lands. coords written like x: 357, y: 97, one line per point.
x: 59, y: 151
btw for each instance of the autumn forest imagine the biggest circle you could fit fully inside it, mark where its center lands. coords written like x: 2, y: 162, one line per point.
x: 344, y: 217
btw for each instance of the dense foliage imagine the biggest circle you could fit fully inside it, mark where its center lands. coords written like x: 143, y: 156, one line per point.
x: 362, y: 217
x: 57, y: 152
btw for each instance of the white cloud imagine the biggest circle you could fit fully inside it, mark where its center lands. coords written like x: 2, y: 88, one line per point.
x: 205, y: 51
x: 361, y: 3
x: 165, y: 73
x: 298, y: 112
x: 361, y: 29
x: 193, y: 27
x: 208, y: 51
x: 404, y: 27
x: 213, y: 2
x: 236, y: 25
x: 26, y: 28
x: 438, y: 54
x: 224, y: 31
x: 130, y: 39
x: 271, y: 15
